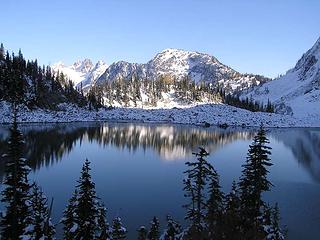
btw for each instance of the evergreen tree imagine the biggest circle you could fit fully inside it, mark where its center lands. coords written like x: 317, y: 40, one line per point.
x: 215, y: 207
x: 70, y: 218
x: 125, y: 94
x: 269, y: 107
x: 246, y: 103
x: 197, y: 177
x: 41, y: 225
x: 118, y: 231
x: 275, y: 232
x: 253, y: 183
x: 24, y: 82
x: 2, y: 52
x: 2, y: 71
x: 15, y: 195
x: 104, y: 232
x: 137, y: 87
x: 154, y: 232
x: 231, y: 218
x: 84, y: 217
x: 86, y: 209
x: 118, y: 90
x: 142, y: 233
x: 173, y: 230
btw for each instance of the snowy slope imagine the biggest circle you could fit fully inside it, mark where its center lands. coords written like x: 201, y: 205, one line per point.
x: 94, y: 74
x: 298, y: 91
x: 214, y: 114
x: 82, y: 71
x: 180, y: 63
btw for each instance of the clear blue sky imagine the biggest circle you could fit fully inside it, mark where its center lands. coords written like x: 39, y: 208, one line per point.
x: 257, y: 36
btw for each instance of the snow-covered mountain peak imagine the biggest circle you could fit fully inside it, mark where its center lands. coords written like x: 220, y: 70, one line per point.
x: 83, y: 66
x: 168, y: 52
x: 180, y: 63
x: 58, y: 65
x: 182, y: 55
x: 81, y: 72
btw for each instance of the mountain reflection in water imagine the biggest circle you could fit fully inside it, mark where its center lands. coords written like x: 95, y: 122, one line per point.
x: 48, y: 143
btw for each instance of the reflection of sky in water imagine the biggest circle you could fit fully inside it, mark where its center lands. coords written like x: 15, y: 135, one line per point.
x: 138, y: 169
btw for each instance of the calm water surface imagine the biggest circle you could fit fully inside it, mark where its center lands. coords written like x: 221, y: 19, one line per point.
x: 138, y: 168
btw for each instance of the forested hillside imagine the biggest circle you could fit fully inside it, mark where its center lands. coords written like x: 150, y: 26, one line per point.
x: 26, y: 82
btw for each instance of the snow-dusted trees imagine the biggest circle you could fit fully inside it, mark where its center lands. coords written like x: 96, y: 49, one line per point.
x: 136, y: 90
x: 249, y: 215
x: 94, y: 98
x: 154, y: 231
x: 86, y: 208
x: 173, y: 230
x: 84, y: 217
x: 15, y: 195
x: 118, y: 231
x: 25, y: 82
x: 41, y: 226
x: 133, y: 91
x: 69, y: 218
x: 142, y: 233
x: 103, y: 231
x: 274, y: 231
x: 241, y: 214
x: 246, y: 103
x: 202, y: 181
x: 253, y: 183
x: 269, y: 107
x: 27, y: 215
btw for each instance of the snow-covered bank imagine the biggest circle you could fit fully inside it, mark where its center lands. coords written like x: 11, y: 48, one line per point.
x: 213, y: 114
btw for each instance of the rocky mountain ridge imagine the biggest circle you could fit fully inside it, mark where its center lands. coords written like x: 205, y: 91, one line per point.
x: 170, y: 62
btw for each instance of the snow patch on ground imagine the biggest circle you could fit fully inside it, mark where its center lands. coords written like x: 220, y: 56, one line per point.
x: 213, y: 114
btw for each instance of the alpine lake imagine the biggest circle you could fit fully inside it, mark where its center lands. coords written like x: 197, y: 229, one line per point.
x: 138, y: 168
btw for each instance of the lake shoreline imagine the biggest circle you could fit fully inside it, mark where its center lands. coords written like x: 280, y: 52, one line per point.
x: 201, y: 115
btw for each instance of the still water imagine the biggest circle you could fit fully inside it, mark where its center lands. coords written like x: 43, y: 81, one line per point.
x: 138, y: 168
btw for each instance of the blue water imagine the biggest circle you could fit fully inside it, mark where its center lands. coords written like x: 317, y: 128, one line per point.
x: 138, y: 168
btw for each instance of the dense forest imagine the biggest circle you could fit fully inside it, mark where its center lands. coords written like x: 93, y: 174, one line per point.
x: 135, y: 92
x: 139, y: 92
x: 25, y: 82
x: 211, y: 214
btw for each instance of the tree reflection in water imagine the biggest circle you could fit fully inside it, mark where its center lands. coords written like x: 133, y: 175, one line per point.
x: 48, y: 143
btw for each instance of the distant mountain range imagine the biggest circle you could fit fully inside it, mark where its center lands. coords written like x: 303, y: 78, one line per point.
x: 174, y: 62
x: 298, y: 91
x: 82, y: 71
x: 295, y: 93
